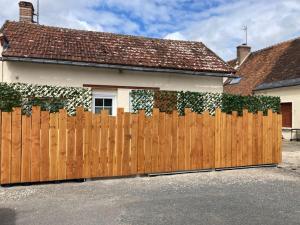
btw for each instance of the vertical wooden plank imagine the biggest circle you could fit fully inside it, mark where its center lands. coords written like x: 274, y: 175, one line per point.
x: 239, y: 140
x: 134, y: 144
x: 269, y: 153
x: 62, y: 147
x: 53, y: 146
x: 181, y: 143
x: 234, y: 146
x: 104, y: 143
x: 120, y: 130
x: 111, y: 145
x: 26, y: 148
x: 265, y: 139
x: 174, y: 156
x: 194, y: 147
x: 148, y: 145
x: 228, y: 154
x: 260, y: 138
x: 274, y: 138
x: 255, y: 140
x: 199, y: 140
x: 223, y: 140
x: 79, y: 126
x: 35, y: 144
x: 212, y: 141
x: 71, y: 148
x: 155, y: 141
x: 126, y: 147
x: 245, y: 138
x: 87, y: 147
x: 206, y: 140
x: 162, y: 140
x: 279, y: 137
x: 16, y: 146
x: 250, y: 139
x: 168, y: 143
x: 6, y: 148
x: 218, y: 138
x: 44, y: 173
x: 141, y: 142
x: 187, y: 117
x: 95, y: 145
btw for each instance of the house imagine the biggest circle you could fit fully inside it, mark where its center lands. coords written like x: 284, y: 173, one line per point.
x: 273, y: 71
x: 111, y: 64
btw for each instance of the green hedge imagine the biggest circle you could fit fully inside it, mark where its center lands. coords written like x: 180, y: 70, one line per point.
x: 51, y: 98
x: 9, y: 97
x: 199, y: 102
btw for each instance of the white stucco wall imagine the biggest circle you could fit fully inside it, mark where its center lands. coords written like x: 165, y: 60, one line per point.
x: 76, y: 76
x: 287, y: 94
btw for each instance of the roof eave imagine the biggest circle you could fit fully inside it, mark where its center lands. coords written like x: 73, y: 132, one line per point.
x: 278, y: 84
x: 120, y: 67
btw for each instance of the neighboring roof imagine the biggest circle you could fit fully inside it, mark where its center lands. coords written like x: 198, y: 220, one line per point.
x: 271, y: 67
x: 28, y: 40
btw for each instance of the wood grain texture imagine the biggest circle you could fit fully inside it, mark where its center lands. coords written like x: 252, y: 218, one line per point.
x: 54, y: 146
x: 44, y: 169
x: 16, y: 146
x: 35, y: 144
x: 6, y: 148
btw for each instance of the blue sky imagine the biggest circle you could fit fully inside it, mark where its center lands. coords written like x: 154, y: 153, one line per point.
x: 217, y: 23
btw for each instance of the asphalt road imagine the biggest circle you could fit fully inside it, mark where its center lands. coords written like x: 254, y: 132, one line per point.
x: 248, y: 196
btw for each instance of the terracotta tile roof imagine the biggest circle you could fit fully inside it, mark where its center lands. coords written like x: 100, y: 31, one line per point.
x: 44, y: 42
x: 280, y: 62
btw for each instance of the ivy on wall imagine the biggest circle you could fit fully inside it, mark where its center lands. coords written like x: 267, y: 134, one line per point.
x: 199, y: 102
x: 51, y: 98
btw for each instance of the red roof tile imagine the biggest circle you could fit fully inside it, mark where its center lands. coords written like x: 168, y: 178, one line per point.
x: 44, y: 42
x: 276, y: 63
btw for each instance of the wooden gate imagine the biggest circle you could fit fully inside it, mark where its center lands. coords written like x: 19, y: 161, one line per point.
x: 54, y: 146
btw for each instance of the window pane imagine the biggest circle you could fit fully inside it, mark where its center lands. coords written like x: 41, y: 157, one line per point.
x: 107, y: 102
x: 98, y: 109
x: 99, y: 102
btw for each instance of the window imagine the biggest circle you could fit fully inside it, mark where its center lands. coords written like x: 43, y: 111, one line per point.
x: 235, y: 80
x: 104, y: 102
x: 286, y: 111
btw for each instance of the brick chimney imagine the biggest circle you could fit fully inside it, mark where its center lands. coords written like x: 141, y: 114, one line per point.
x: 242, y: 52
x: 26, y: 11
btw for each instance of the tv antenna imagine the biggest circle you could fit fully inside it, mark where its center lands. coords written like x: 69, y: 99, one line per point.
x: 245, y: 28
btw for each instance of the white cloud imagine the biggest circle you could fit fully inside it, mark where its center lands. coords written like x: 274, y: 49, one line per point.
x: 217, y: 23
x: 175, y: 36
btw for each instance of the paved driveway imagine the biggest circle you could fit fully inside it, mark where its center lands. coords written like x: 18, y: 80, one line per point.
x: 291, y: 156
x: 248, y: 196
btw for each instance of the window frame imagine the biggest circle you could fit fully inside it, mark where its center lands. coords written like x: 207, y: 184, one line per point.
x: 104, y: 95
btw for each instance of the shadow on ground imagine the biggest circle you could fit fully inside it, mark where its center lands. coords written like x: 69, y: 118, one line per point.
x: 7, y: 216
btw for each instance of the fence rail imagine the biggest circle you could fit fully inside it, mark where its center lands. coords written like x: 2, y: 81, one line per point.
x: 54, y: 146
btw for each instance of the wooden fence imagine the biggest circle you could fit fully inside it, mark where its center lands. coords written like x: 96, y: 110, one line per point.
x: 54, y: 146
